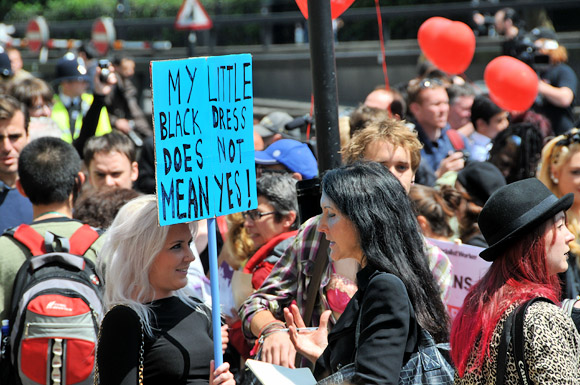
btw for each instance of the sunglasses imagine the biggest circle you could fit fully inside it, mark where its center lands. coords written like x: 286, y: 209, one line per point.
x: 255, y: 214
x: 569, y: 139
x: 262, y: 171
x: 427, y: 83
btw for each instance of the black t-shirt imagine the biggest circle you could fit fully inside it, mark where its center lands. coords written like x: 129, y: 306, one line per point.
x: 562, y: 119
x: 179, y: 353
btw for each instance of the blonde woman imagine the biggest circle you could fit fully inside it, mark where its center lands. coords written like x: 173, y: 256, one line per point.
x: 153, y: 332
x: 560, y: 172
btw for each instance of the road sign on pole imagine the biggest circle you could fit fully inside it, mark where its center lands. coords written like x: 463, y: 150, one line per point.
x: 37, y: 33
x: 192, y: 16
x: 103, y: 34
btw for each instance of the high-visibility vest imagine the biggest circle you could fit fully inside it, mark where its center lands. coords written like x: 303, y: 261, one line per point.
x: 61, y: 117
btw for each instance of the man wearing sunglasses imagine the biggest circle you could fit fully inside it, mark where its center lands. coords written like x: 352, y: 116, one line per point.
x: 443, y: 149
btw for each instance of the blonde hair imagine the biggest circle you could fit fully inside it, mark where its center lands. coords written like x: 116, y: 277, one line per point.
x: 388, y: 130
x: 239, y: 245
x: 554, y: 156
x: 131, y: 245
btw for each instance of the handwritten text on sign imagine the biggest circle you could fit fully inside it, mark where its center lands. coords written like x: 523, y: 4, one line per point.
x: 204, y: 147
x: 468, y: 268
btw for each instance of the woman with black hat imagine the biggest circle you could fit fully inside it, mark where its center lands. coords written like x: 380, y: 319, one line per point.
x: 525, y: 226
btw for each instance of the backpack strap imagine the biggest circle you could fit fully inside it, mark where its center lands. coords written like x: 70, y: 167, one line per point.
x: 29, y: 238
x: 82, y: 239
x: 455, y: 139
x: 518, y: 337
x: 79, y: 242
x: 501, y: 360
x: 514, y: 330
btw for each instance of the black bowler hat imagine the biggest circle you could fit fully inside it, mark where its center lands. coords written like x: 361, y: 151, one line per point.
x: 515, y: 209
x: 480, y: 180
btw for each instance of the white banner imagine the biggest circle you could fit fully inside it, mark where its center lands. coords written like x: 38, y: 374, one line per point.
x: 468, y: 268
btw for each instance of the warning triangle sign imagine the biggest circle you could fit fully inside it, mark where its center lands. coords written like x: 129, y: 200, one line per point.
x: 193, y: 16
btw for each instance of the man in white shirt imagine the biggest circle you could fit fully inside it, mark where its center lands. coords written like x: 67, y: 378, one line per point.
x: 488, y: 120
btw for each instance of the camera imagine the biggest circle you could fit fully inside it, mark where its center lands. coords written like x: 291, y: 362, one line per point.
x: 525, y: 50
x: 104, y: 65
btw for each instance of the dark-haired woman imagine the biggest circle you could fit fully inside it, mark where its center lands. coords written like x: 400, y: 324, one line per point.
x: 525, y: 226
x: 368, y: 216
x: 516, y: 151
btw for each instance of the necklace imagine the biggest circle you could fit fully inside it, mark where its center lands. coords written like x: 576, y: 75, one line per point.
x: 49, y: 213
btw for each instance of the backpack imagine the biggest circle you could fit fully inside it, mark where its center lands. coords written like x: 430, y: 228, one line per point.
x: 456, y: 140
x: 56, y: 309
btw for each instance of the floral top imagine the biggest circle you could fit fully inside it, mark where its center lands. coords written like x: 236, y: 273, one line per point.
x: 551, y: 348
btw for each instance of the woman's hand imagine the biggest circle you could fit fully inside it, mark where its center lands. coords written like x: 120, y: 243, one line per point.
x: 221, y: 375
x: 225, y: 338
x: 310, y: 344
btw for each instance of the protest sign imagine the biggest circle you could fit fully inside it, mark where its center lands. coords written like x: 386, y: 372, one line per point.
x: 468, y: 268
x: 203, y: 125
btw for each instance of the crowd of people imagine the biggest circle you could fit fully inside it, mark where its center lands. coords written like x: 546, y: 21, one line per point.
x: 358, y: 282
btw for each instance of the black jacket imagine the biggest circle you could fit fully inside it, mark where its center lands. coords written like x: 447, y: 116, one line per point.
x: 388, y: 331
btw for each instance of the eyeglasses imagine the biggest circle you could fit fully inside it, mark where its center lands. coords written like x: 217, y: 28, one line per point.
x: 569, y: 138
x: 255, y: 214
x: 38, y: 107
x: 260, y: 170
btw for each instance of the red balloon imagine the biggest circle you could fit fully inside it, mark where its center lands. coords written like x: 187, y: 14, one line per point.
x: 337, y: 7
x: 512, y: 84
x: 448, y: 44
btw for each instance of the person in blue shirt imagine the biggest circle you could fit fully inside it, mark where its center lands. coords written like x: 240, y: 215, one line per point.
x: 444, y: 149
x: 15, y: 209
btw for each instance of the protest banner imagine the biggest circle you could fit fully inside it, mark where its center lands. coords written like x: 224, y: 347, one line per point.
x: 204, y: 148
x: 203, y: 125
x: 468, y: 268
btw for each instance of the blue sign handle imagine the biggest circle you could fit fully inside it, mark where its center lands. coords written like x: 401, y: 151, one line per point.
x: 215, y: 293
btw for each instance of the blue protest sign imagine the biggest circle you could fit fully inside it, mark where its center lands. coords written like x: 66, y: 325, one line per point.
x: 204, y: 148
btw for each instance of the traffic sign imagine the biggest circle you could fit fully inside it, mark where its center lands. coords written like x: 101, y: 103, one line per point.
x: 192, y: 16
x: 103, y: 34
x: 37, y: 33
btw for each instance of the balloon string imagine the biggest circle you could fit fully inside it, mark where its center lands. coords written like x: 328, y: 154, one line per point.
x: 381, y: 38
x: 310, y: 122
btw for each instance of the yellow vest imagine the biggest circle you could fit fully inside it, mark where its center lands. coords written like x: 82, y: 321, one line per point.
x: 61, y: 117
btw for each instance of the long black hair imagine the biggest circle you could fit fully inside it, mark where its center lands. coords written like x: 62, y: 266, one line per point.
x: 524, y: 142
x: 377, y: 204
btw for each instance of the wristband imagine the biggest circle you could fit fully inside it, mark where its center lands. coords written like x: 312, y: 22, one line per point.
x: 276, y: 324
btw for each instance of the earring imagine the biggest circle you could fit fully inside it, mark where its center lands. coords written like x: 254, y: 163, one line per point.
x: 554, y: 179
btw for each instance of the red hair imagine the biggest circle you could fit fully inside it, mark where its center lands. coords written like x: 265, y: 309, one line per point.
x: 518, y: 274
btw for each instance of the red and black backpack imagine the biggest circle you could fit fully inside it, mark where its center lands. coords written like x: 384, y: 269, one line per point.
x: 56, y: 309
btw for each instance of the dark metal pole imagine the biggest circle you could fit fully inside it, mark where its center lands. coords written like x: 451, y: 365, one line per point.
x: 323, y: 69
x: 191, y: 40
